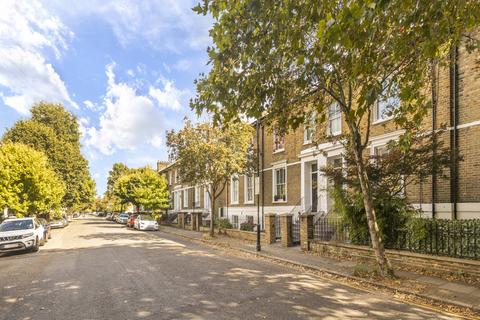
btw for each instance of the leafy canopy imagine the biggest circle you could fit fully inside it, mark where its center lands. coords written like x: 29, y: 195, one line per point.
x: 54, y: 131
x: 208, y: 155
x: 289, y: 57
x: 27, y: 183
x: 143, y: 187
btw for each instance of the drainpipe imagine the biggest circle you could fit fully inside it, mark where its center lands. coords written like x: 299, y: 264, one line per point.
x: 434, y: 137
x: 263, y: 175
x: 258, y: 247
x: 453, y: 132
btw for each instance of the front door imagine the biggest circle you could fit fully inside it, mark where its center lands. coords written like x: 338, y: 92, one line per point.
x: 314, y: 188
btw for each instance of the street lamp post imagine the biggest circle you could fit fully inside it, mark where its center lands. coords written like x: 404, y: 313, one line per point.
x: 259, y: 247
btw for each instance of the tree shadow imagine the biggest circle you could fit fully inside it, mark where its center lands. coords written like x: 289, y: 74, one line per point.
x: 137, y: 275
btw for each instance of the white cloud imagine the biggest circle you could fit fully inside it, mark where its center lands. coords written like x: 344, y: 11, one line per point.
x: 26, y: 31
x: 182, y: 65
x: 169, y: 97
x: 166, y: 25
x: 130, y: 120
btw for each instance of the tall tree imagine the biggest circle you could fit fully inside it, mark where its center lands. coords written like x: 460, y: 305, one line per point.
x: 28, y: 185
x: 283, y: 59
x: 54, y: 131
x: 143, y: 187
x: 118, y: 169
x: 208, y: 155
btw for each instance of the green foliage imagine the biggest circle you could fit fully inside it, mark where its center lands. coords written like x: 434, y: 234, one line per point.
x: 28, y: 185
x: 143, y: 187
x: 281, y: 60
x: 247, y: 226
x: 54, y: 131
x: 208, y: 155
x: 389, y: 175
x: 118, y: 169
x: 224, y: 224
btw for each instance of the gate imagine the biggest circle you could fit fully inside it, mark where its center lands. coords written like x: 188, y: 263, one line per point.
x: 278, y: 233
x: 296, y: 230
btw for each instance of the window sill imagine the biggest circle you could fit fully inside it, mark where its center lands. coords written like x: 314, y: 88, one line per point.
x: 234, y: 203
x: 278, y: 151
x: 334, y: 134
x: 307, y: 142
x: 279, y: 201
x: 380, y: 121
x: 248, y: 202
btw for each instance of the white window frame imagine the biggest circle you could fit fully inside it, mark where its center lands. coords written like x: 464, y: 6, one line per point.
x: 392, y: 101
x: 246, y: 187
x: 170, y: 177
x: 177, y: 201
x: 235, y: 222
x: 274, y: 184
x: 197, y: 196
x: 234, y: 192
x: 206, y: 199
x: 175, y: 176
x: 337, y: 116
x: 309, y: 128
x: 277, y: 137
x: 185, y: 198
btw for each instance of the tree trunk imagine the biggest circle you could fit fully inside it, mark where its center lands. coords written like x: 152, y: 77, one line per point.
x: 384, y: 266
x: 212, y: 217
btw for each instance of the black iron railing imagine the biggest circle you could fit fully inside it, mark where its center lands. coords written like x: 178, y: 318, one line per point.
x: 452, y: 238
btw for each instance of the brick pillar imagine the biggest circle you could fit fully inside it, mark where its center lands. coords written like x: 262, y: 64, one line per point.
x: 196, y: 221
x: 181, y: 220
x: 306, y: 231
x: 270, y: 228
x: 286, y: 229
x: 199, y: 220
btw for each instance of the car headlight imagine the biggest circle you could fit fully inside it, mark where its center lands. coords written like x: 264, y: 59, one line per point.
x: 27, y: 235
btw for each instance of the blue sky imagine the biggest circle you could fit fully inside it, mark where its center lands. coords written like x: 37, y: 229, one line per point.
x: 124, y: 68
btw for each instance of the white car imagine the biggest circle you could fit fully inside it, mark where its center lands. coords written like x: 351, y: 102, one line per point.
x: 145, y: 222
x: 21, y: 234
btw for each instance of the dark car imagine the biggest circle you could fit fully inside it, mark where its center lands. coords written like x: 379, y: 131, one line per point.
x: 47, y: 230
x: 131, y: 220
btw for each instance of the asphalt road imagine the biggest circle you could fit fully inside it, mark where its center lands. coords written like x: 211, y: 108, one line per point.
x: 96, y: 269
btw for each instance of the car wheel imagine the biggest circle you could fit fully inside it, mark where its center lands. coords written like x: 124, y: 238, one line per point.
x: 36, y: 246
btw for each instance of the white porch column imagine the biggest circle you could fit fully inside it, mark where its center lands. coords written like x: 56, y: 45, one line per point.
x: 302, y: 184
x: 322, y: 185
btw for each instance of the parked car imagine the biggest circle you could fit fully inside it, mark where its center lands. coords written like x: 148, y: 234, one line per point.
x: 57, y: 223
x: 131, y: 220
x: 145, y: 222
x: 122, y: 218
x: 66, y: 222
x: 109, y: 216
x: 47, y: 234
x: 21, y: 234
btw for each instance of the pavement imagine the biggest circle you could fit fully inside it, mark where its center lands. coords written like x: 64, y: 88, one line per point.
x: 96, y: 269
x: 430, y: 287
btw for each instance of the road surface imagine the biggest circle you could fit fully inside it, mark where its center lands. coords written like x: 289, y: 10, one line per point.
x: 96, y: 269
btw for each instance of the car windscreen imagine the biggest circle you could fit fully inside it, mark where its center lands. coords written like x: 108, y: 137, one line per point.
x: 16, y: 225
x: 123, y: 215
x: 145, y: 217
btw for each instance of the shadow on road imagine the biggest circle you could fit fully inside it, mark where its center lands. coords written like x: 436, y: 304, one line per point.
x: 138, y: 275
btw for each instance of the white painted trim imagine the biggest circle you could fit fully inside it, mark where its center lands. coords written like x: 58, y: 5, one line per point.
x: 465, y: 210
x: 274, y: 184
x: 231, y: 190
x: 245, y: 190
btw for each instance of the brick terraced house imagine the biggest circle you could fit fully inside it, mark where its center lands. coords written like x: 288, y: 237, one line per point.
x: 291, y: 182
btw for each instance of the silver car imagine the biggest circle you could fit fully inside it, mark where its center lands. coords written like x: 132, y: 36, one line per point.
x: 145, y: 222
x: 122, y: 218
